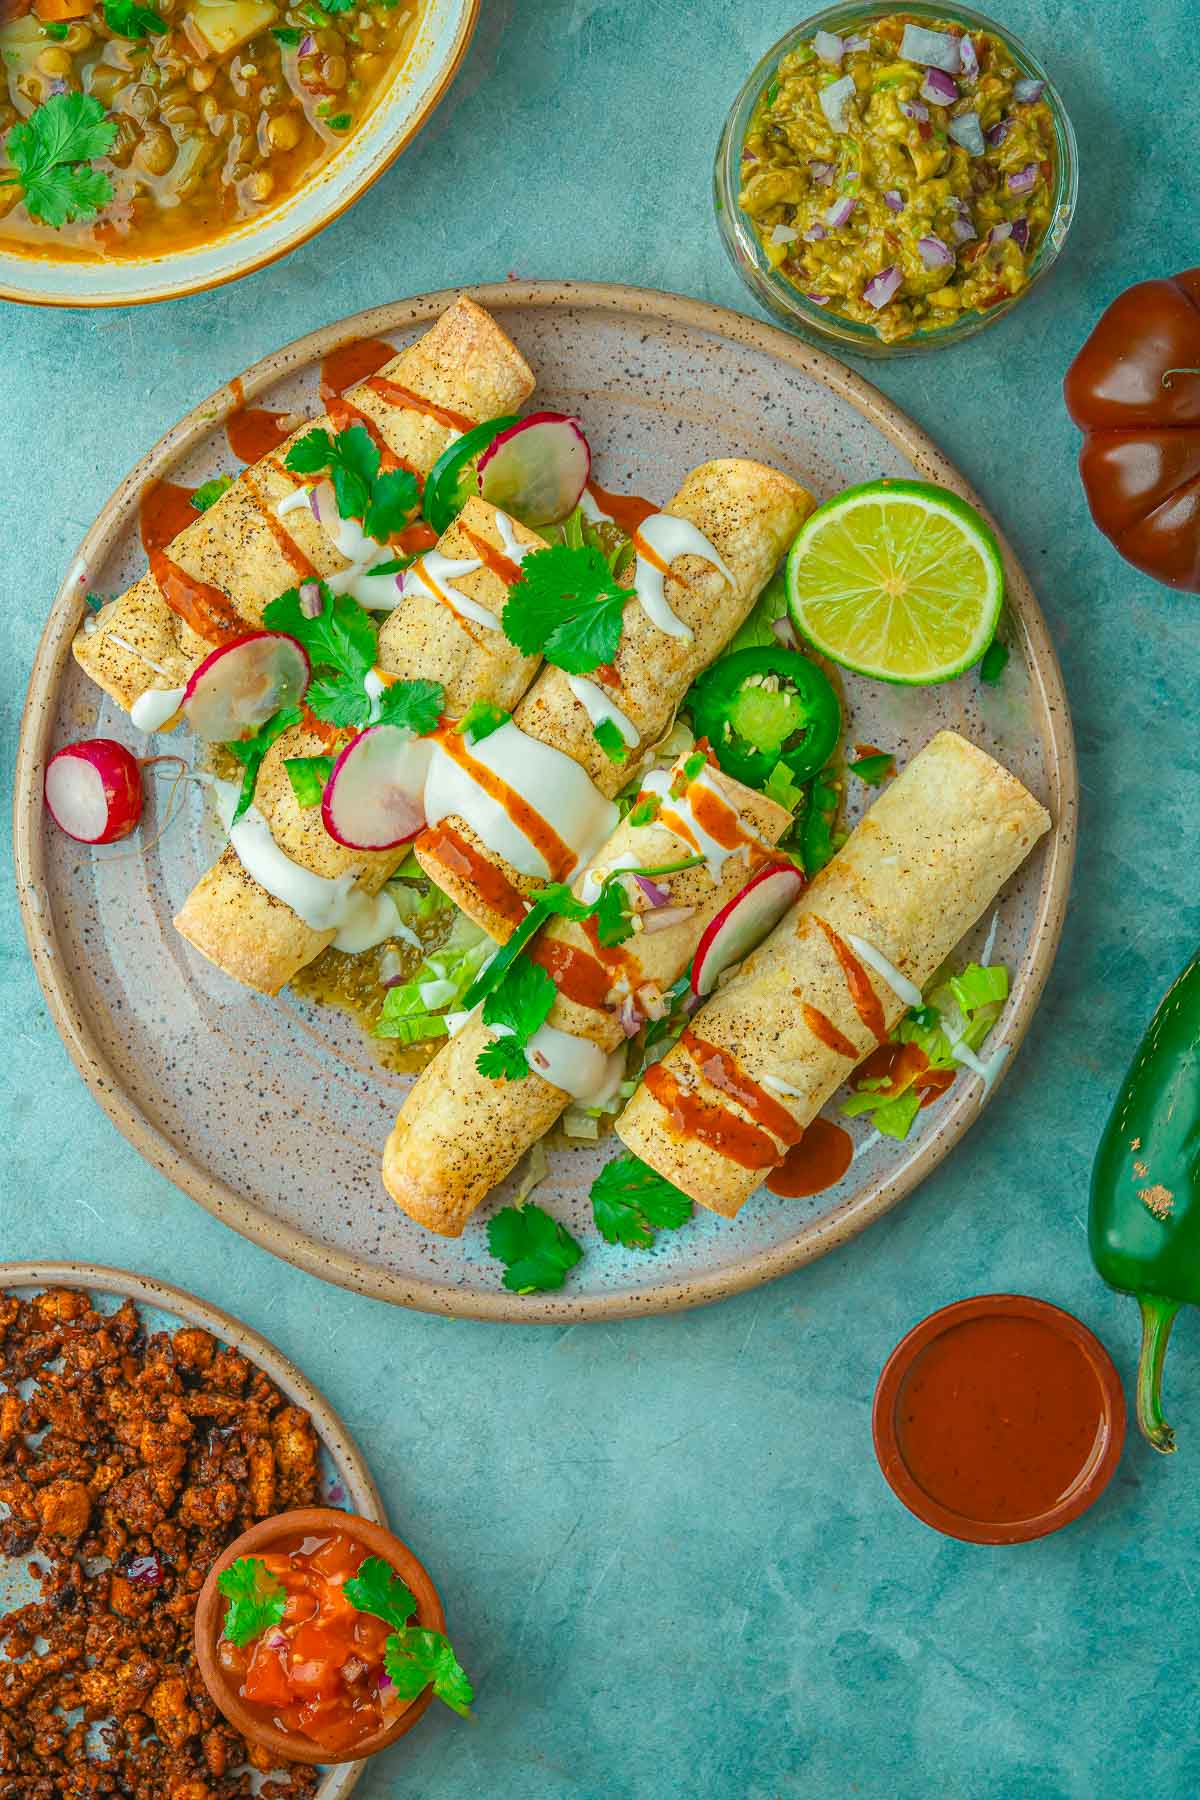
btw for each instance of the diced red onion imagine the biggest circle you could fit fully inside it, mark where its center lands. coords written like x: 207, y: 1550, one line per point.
x: 784, y: 234
x: 963, y: 229
x: 968, y: 57
x: 310, y: 599
x: 314, y: 504
x: 665, y: 917
x: 834, y: 100
x: 967, y: 131
x: 828, y: 46
x: 630, y: 1018
x: 657, y: 896
x: 934, y: 253
x: 933, y: 49
x: 839, y: 213
x: 821, y: 172
x: 142, y: 1571
x: 814, y: 234
x: 882, y: 287
x: 307, y: 45
x: 391, y: 971
x: 999, y: 233
x: 856, y: 42
x: 996, y: 134
x: 383, y: 1680
x: 536, y: 1056
x: 275, y: 1639
x: 939, y: 87
x: 1020, y: 232
x: 1024, y: 180
x: 1025, y: 92
x: 783, y: 631
x: 818, y: 299
x: 893, y: 199
x: 651, y: 997
x: 913, y: 109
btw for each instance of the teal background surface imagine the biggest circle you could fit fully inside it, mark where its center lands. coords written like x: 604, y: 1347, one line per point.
x: 666, y: 1551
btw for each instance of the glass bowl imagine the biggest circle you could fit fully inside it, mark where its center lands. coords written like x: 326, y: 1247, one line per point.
x: 776, y: 293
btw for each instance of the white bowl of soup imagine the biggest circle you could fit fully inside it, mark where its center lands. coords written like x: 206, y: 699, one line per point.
x: 152, y: 148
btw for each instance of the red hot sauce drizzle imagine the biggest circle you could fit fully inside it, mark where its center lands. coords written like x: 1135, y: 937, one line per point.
x: 253, y: 432
x: 500, y: 565
x: 558, y: 856
x: 817, y: 1162
x: 713, y: 1126
x: 582, y: 978
x: 721, y: 1070
x: 444, y: 846
x: 351, y: 363
x: 402, y: 396
x: 166, y: 510
x: 825, y: 1029
x: 866, y: 1000
x: 626, y: 510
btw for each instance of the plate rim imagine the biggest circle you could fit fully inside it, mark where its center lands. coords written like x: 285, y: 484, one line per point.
x: 100, y: 1278
x: 342, y: 1267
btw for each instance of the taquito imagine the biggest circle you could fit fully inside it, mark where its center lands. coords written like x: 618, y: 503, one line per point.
x: 459, y: 1133
x: 764, y: 1054
x: 749, y: 514
x: 211, y: 583
x: 233, y: 920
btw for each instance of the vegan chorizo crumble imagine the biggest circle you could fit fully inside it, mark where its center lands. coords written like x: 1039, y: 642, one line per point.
x: 128, y: 1462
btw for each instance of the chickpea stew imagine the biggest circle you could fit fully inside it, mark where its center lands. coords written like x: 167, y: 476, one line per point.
x: 134, y: 130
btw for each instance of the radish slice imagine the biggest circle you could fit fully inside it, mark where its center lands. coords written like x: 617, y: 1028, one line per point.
x: 375, y: 797
x: 241, y: 685
x: 538, y: 469
x: 744, y: 922
x: 94, y: 790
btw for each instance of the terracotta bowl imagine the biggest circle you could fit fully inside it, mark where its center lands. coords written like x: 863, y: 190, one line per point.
x: 210, y: 1614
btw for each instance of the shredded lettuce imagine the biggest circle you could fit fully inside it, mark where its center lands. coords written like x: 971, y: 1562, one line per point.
x: 770, y: 605
x: 416, y: 1011
x: 961, y: 1011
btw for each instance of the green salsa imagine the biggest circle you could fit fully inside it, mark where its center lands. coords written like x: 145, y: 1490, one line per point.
x: 895, y: 192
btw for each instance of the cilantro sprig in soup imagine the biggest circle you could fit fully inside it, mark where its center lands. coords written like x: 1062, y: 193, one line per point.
x: 131, y: 129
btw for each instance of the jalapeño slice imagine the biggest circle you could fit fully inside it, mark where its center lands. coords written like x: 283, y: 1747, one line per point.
x: 453, y: 480
x: 765, y: 706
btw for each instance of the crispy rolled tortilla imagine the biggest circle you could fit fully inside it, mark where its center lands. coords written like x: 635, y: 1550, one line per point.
x: 750, y: 514
x: 228, y: 916
x: 459, y: 1133
x: 761, y: 1058
x: 224, y: 568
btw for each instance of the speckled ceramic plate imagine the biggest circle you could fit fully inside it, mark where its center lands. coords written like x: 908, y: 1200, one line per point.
x: 345, y: 1479
x: 273, y: 1114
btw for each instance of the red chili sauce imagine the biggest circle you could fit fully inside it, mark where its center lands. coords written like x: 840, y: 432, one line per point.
x: 998, y: 1418
x: 817, y: 1162
x: 317, y: 1673
x: 351, y: 363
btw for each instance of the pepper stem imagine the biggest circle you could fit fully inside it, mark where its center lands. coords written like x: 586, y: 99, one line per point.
x: 1158, y: 1316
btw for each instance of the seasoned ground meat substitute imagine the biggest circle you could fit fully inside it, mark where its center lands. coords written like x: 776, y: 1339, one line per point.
x: 132, y: 1464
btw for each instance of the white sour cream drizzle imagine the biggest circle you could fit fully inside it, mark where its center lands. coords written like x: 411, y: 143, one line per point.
x: 124, y: 644
x: 567, y: 800
x: 593, y: 881
x: 293, y: 502
x: 658, y: 781
x: 577, y: 1066
x: 375, y: 686
x: 358, y: 920
x: 514, y: 551
x: 669, y: 538
x: 438, y: 572
x: 378, y: 593
x: 600, y: 707
x: 779, y: 1086
x: 151, y: 710
x: 901, y: 986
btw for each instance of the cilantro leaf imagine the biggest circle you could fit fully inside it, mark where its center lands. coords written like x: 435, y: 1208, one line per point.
x: 393, y: 565
x: 256, y: 1599
x: 503, y: 1060
x: 290, y: 35
x: 125, y: 18
x: 415, y: 1657
x: 209, y: 492
x: 350, y: 457
x: 522, y: 1001
x: 308, y: 775
x: 995, y: 658
x: 377, y: 1589
x: 415, y: 706
x: 311, y: 454
x: 629, y: 1200
x: 645, y: 810
x: 875, y: 768
x: 479, y: 721
x: 340, y: 6
x: 610, y: 741
x: 339, y: 122
x: 566, y: 607
x: 338, y: 700
x: 558, y: 899
x: 250, y: 752
x: 341, y: 636
x: 57, y: 29
x: 51, y: 149
x: 395, y: 497
x: 535, y: 1248
x: 614, y: 914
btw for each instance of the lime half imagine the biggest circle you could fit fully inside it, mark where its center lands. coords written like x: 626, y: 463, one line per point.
x: 899, y: 580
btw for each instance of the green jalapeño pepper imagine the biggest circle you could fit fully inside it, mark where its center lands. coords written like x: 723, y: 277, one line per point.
x: 761, y: 707
x: 452, y: 479
x: 1144, y: 1223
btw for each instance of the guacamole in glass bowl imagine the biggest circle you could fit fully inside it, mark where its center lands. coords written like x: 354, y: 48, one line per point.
x: 895, y: 179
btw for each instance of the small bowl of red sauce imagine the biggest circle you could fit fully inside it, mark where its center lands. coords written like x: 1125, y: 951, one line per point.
x: 292, y: 1661
x: 999, y: 1419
